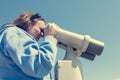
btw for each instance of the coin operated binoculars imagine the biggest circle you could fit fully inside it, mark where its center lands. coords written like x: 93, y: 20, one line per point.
x: 76, y: 46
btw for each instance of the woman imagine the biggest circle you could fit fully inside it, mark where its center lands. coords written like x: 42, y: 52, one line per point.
x: 21, y: 57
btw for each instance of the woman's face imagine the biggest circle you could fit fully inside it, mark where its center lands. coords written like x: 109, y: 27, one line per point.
x: 35, y: 30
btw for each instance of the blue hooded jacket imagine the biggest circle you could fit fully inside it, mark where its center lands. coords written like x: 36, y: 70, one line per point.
x: 22, y: 58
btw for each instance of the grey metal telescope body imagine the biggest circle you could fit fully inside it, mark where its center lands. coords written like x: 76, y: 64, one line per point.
x: 84, y: 45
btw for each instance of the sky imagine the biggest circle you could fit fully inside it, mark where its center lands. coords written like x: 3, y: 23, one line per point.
x: 99, y: 19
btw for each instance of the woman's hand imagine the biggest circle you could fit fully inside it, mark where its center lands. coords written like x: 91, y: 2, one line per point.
x: 51, y: 29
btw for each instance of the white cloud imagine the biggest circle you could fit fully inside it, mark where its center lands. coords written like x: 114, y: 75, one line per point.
x: 117, y: 79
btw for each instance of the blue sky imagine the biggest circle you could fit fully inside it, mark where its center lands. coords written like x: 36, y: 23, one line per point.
x: 98, y: 18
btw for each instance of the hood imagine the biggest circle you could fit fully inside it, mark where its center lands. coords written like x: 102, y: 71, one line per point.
x: 5, y: 26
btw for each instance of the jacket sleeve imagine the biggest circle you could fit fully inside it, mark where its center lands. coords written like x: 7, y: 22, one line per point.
x: 33, y: 59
